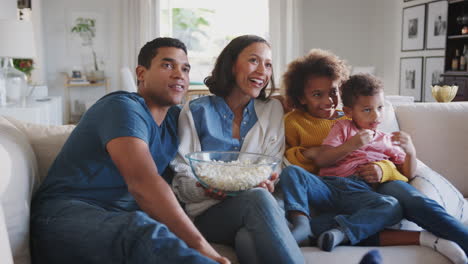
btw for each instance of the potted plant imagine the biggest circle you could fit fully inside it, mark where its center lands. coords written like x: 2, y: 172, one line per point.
x: 86, y: 29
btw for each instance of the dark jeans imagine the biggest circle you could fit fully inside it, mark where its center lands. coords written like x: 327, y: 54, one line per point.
x: 359, y: 211
x: 72, y: 231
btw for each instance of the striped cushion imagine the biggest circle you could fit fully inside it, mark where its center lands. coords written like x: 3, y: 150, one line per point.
x: 436, y: 187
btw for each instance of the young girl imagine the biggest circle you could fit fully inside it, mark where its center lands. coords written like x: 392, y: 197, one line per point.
x: 312, y: 85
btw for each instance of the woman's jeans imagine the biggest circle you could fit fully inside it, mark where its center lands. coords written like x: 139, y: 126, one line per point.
x: 359, y: 211
x: 426, y: 213
x: 254, y: 213
x: 72, y: 231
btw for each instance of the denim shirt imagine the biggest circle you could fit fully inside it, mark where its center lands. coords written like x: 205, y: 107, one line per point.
x: 213, y: 121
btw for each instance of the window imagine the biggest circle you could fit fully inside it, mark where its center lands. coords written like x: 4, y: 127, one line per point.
x: 207, y: 26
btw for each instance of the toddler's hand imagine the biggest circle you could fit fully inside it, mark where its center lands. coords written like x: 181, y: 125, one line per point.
x: 219, y: 195
x: 403, y: 140
x: 362, y: 138
x: 270, y: 183
x: 370, y: 173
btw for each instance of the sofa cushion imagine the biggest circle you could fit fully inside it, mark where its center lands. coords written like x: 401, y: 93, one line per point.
x: 390, y: 123
x: 441, y: 139
x: 47, y: 141
x: 439, y: 189
x: 17, y: 196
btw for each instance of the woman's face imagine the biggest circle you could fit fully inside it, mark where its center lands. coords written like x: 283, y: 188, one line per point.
x: 320, y: 97
x: 252, y: 69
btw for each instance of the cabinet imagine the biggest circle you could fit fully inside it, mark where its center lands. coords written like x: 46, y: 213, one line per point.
x: 37, y: 110
x: 457, y: 19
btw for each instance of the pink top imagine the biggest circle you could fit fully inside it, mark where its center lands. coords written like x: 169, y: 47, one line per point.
x: 380, y: 148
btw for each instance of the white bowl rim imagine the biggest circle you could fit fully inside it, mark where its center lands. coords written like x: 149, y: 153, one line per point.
x: 276, y: 159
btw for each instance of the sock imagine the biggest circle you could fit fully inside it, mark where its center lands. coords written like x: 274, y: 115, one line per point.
x: 445, y: 247
x: 301, y: 229
x: 371, y: 257
x: 328, y: 240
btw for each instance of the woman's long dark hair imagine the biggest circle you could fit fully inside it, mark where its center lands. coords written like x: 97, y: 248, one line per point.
x: 222, y: 80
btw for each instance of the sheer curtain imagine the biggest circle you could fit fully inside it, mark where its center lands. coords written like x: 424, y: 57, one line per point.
x: 140, y: 23
x: 285, y: 33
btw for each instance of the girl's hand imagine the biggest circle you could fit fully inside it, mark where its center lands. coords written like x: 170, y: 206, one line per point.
x: 363, y: 137
x: 270, y: 183
x: 219, y: 195
x: 403, y: 140
x: 370, y: 173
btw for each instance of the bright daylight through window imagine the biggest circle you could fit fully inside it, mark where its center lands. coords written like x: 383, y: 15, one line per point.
x: 207, y: 26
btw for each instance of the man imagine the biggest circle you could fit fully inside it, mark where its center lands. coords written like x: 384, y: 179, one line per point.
x: 106, y: 198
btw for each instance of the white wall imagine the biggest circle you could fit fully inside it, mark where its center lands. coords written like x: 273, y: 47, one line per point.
x: 8, y: 9
x: 64, y: 51
x: 364, y: 32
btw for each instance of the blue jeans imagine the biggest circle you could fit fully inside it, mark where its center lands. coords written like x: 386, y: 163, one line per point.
x: 361, y: 212
x: 72, y: 231
x: 426, y: 213
x: 257, y: 212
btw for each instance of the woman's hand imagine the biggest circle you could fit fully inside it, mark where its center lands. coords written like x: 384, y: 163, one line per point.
x: 210, y: 192
x: 270, y: 183
x: 370, y: 173
x: 403, y: 140
x: 208, y: 251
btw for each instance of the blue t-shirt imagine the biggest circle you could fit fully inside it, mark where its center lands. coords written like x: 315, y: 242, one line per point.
x: 213, y: 121
x: 84, y: 170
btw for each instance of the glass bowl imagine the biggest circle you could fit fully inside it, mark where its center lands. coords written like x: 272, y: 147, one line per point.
x: 231, y: 171
x: 444, y: 94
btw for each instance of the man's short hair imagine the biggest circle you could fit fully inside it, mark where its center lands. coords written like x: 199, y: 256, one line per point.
x: 150, y: 49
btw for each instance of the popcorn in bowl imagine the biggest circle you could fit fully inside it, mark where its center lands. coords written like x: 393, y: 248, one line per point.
x: 231, y: 171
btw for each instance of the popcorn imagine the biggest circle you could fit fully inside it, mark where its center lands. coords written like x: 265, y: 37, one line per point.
x: 233, y: 175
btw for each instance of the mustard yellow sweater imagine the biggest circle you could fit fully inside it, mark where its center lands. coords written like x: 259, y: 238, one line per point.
x: 304, y: 131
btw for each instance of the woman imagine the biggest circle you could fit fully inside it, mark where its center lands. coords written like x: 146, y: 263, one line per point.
x: 239, y: 117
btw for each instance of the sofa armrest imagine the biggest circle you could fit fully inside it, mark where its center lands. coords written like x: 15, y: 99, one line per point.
x: 5, y: 168
x: 440, y: 135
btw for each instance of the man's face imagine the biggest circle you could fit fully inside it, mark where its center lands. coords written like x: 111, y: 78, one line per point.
x: 166, y: 81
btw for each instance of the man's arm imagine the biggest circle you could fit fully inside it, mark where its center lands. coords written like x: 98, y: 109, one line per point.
x: 154, y: 196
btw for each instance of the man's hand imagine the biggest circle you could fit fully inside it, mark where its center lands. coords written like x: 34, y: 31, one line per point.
x: 270, y: 183
x: 403, y: 140
x: 370, y: 173
x: 362, y: 138
x: 208, y: 251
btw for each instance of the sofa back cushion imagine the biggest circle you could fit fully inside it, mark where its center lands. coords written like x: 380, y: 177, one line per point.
x: 439, y: 132
x: 46, y: 141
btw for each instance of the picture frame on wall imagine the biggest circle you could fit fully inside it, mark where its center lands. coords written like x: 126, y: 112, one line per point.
x: 413, y: 28
x: 411, y: 77
x: 436, y: 27
x: 433, y: 70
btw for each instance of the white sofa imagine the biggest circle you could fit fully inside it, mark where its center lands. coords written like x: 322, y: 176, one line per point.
x: 439, y: 131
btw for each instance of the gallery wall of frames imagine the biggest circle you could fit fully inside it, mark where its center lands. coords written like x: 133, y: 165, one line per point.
x: 428, y: 47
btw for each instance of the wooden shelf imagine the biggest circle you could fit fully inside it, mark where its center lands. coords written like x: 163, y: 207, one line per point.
x: 456, y: 73
x: 465, y: 36
x: 86, y: 84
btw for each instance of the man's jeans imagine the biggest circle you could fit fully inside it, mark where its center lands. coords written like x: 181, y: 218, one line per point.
x: 426, y: 213
x: 360, y: 212
x: 72, y: 231
x: 255, y: 216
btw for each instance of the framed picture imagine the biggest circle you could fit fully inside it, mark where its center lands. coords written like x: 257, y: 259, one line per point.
x: 436, y: 29
x: 411, y: 77
x: 413, y: 28
x: 433, y: 68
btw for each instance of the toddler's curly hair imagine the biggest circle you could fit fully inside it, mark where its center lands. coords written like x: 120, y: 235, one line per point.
x: 359, y: 85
